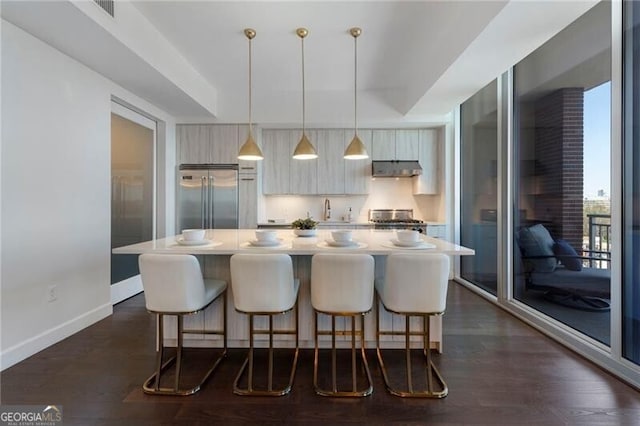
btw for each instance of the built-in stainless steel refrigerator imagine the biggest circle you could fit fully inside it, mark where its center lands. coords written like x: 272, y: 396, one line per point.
x: 207, y: 196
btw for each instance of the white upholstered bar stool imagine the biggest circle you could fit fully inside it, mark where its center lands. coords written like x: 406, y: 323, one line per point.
x: 415, y: 284
x: 173, y: 285
x: 263, y: 284
x: 342, y: 286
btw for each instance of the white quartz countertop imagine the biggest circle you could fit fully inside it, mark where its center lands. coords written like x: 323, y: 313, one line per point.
x: 231, y: 241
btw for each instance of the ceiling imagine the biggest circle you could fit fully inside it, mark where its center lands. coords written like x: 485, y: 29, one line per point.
x: 416, y: 60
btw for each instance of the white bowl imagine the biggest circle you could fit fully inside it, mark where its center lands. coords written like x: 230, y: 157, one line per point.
x: 407, y: 236
x: 266, y: 235
x: 304, y: 232
x: 193, y: 234
x: 341, y: 236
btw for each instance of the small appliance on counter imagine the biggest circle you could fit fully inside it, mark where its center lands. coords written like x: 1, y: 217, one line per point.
x: 396, y: 219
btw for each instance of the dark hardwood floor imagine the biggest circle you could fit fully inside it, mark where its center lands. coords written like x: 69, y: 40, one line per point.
x: 499, y: 371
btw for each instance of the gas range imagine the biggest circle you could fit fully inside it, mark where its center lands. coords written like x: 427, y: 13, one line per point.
x: 395, y: 219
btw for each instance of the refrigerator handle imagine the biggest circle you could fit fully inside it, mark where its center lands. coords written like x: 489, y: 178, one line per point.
x: 210, y: 216
x: 203, y: 201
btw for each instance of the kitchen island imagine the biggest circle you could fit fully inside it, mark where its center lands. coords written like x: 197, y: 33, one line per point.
x: 222, y: 243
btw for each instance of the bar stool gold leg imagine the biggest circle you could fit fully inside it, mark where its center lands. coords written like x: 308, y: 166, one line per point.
x: 152, y: 384
x: 184, y: 273
x: 159, y: 351
x: 408, y: 353
x: 354, y: 392
x: 432, y: 371
x: 248, y: 366
x: 179, y: 353
x: 353, y: 355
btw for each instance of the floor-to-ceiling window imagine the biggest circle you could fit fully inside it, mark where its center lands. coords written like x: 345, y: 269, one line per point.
x: 561, y: 175
x: 631, y: 184
x: 479, y: 187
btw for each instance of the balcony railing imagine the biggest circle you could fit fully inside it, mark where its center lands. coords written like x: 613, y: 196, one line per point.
x: 599, y: 248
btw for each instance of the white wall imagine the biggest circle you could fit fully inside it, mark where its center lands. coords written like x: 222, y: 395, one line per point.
x: 55, y: 194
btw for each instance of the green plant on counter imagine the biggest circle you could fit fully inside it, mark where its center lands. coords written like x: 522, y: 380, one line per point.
x: 307, y: 223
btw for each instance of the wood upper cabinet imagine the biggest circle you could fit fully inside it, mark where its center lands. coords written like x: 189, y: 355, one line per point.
x: 407, y: 144
x: 429, y: 181
x: 303, y: 177
x: 331, y: 174
x: 392, y: 144
x: 276, y: 147
x: 192, y: 143
x: 223, y: 144
x: 383, y: 145
x: 357, y: 173
x: 331, y: 163
x: 207, y: 143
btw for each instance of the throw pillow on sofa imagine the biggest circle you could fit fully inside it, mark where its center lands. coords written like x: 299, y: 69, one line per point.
x: 567, y: 255
x: 536, y: 241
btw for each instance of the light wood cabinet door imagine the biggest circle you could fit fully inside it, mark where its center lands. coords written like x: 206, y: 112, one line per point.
x: 331, y: 168
x: 383, y: 145
x: 428, y: 182
x: 223, y: 140
x: 247, y: 201
x: 276, y: 147
x: 304, y: 173
x: 407, y: 144
x: 357, y: 173
x: 192, y: 142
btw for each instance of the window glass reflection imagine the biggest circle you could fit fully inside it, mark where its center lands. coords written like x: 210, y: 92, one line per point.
x: 562, y: 220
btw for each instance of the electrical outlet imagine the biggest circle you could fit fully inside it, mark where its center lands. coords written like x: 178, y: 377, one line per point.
x: 52, y: 293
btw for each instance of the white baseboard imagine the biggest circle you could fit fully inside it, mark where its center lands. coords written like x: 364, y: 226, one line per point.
x: 31, y: 346
x: 125, y: 289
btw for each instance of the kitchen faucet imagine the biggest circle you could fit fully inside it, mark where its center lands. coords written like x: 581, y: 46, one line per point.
x: 327, y: 209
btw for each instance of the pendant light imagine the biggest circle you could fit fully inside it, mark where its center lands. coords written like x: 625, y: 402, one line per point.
x: 356, y: 149
x: 250, y: 150
x: 304, y: 150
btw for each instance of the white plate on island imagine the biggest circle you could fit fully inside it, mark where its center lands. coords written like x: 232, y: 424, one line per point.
x: 341, y: 244
x: 264, y: 243
x: 421, y: 246
x: 255, y: 244
x: 399, y: 243
x: 191, y: 243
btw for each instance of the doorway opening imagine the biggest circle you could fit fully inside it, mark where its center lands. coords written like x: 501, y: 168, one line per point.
x: 133, y: 147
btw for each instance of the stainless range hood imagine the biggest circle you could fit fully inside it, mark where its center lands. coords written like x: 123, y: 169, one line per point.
x: 395, y: 168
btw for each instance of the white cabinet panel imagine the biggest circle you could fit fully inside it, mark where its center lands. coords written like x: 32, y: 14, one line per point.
x: 407, y: 144
x: 383, y: 145
x: 357, y: 173
x: 276, y: 147
x: 331, y: 163
x: 428, y: 182
x: 248, y: 201
x: 304, y: 173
